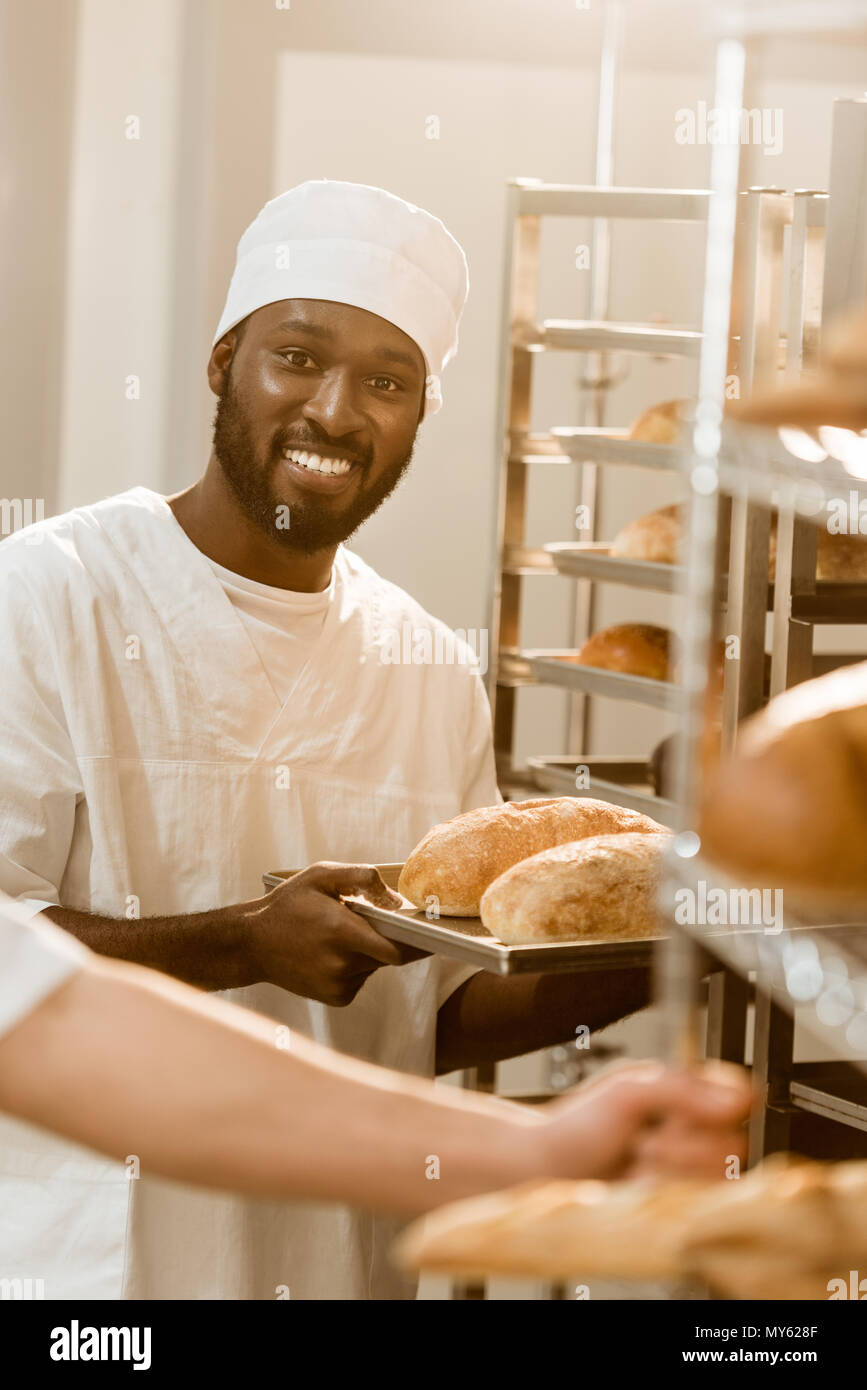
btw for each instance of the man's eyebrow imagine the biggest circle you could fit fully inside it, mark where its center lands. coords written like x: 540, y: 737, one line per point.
x: 317, y: 330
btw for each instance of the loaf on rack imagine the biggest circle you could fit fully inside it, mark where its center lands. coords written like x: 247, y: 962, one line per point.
x: 601, y: 888
x: 840, y: 558
x: 658, y: 536
x: 663, y: 423
x: 789, y: 809
x: 456, y: 862
x: 634, y: 649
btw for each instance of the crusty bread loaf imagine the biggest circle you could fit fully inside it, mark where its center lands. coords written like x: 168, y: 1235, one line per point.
x: 456, y: 862
x: 656, y: 536
x: 554, y: 1230
x: 789, y: 809
x: 601, y: 888
x: 663, y: 423
x: 783, y: 1230
x: 634, y: 649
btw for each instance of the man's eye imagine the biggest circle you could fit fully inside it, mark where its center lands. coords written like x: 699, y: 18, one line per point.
x: 292, y: 353
x: 386, y: 383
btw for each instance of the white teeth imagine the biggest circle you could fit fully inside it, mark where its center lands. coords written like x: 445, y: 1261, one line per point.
x: 317, y: 464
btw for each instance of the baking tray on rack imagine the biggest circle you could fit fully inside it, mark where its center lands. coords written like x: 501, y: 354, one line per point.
x: 816, y: 967
x: 623, y: 781
x: 464, y: 938
x: 549, y: 668
x: 585, y: 445
x: 593, y: 560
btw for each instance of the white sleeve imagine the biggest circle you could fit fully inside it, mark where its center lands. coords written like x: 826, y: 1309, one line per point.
x: 35, y: 959
x: 39, y: 773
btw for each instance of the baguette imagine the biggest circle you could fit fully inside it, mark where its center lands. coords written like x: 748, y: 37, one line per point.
x: 554, y: 1230
x: 456, y: 862
x: 600, y: 888
x: 783, y: 1230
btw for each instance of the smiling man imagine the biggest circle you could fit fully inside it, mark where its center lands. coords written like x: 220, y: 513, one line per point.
x: 194, y: 693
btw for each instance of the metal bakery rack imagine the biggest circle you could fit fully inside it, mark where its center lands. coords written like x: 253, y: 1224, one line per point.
x: 817, y: 969
x: 765, y: 248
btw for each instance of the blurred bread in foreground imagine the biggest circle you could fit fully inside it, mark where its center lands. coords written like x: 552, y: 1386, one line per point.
x: 789, y: 809
x: 783, y: 1230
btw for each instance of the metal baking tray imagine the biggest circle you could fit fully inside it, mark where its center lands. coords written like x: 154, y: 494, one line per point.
x: 464, y: 938
x: 594, y: 561
x: 623, y: 781
x: 601, y: 446
x: 825, y: 951
x: 548, y: 668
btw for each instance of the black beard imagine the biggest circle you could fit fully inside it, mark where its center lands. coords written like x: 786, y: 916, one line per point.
x: 311, y: 528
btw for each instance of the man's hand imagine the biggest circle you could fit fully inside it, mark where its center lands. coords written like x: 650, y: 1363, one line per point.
x: 644, y: 1118
x: 300, y: 936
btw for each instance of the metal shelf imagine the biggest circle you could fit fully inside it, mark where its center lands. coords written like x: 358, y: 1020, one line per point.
x: 796, y: 960
x: 830, y: 603
x: 600, y: 335
x: 547, y: 667
x: 622, y: 781
x: 538, y: 199
x: 834, y: 1091
x: 755, y: 465
x: 614, y: 446
x: 593, y: 560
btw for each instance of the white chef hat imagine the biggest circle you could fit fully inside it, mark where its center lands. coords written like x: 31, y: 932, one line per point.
x: 353, y: 244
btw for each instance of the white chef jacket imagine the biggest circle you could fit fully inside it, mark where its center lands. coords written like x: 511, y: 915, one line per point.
x: 148, y: 767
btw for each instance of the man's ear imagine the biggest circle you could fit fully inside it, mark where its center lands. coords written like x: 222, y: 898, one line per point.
x: 220, y: 361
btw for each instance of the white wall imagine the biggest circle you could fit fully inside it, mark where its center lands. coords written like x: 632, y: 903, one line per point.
x: 35, y: 147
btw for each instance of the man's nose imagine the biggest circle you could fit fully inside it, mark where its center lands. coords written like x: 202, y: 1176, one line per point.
x: 335, y: 405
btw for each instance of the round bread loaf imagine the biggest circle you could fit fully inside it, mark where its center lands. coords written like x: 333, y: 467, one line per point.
x: 456, y: 862
x: 840, y: 558
x: 663, y: 423
x: 635, y: 649
x: 656, y: 536
x: 602, y: 888
x: 789, y: 809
